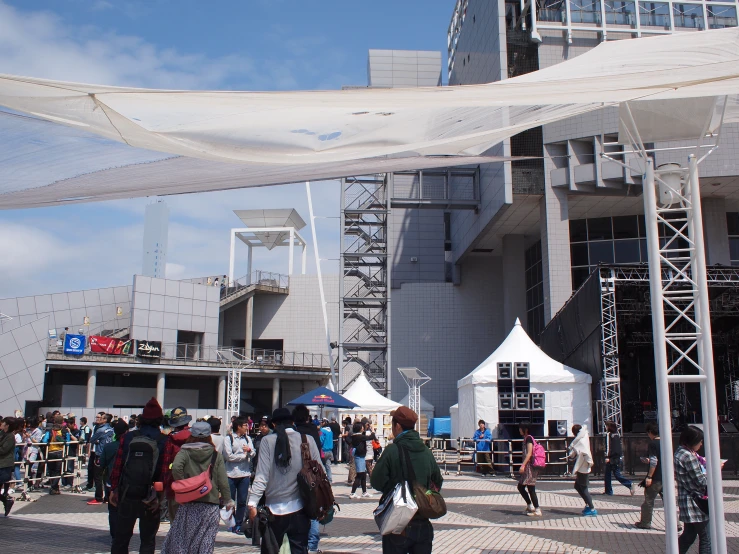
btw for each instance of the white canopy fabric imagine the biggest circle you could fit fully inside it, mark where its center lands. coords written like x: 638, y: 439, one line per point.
x: 518, y: 347
x: 361, y: 392
x: 280, y: 137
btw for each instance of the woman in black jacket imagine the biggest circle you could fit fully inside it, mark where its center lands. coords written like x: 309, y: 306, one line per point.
x: 359, y: 446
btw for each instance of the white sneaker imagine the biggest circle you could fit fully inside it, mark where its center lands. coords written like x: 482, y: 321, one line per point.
x: 11, y: 491
x: 632, y: 489
x: 352, y: 495
x: 528, y: 510
x: 535, y: 513
x: 366, y: 495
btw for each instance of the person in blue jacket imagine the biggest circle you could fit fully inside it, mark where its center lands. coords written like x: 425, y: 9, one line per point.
x: 483, y: 441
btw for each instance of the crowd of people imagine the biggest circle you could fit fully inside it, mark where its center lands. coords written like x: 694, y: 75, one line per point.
x: 155, y: 467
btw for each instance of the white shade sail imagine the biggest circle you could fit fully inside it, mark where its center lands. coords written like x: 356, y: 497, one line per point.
x: 370, y: 401
x: 214, y: 140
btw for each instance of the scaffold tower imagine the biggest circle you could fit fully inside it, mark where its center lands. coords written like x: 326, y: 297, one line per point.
x: 364, y: 331
x: 610, y: 384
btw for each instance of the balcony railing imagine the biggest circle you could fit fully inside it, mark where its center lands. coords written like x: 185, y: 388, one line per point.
x: 199, y: 355
x: 260, y: 279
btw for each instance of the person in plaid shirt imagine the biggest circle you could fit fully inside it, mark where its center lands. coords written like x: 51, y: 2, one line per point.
x: 691, y: 484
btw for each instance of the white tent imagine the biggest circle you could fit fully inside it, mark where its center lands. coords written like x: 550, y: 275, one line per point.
x: 427, y: 408
x: 192, y: 141
x: 361, y: 392
x: 566, y: 390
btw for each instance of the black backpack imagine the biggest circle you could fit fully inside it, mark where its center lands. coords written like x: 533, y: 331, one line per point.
x: 139, y: 466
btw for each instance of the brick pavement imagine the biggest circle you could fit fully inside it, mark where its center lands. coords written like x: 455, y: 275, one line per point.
x: 485, y: 516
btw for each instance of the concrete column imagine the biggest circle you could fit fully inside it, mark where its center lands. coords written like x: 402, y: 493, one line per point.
x: 92, y: 378
x: 161, y: 380
x: 555, y: 250
x: 221, y: 392
x: 249, y: 325
x: 715, y: 231
x: 514, y: 280
x: 275, y: 393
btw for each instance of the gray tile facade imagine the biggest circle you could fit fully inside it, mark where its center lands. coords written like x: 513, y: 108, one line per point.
x: 23, y: 364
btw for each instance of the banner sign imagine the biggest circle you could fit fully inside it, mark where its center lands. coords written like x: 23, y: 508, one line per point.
x: 149, y: 348
x: 74, y: 344
x: 109, y: 345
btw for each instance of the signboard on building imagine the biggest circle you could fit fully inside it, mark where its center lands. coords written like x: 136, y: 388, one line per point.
x: 74, y: 344
x: 109, y: 345
x: 149, y: 348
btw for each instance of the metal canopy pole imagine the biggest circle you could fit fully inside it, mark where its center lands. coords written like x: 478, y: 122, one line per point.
x: 415, y: 378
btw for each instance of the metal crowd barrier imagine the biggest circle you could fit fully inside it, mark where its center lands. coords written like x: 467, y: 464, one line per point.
x: 71, y: 467
x: 505, y: 456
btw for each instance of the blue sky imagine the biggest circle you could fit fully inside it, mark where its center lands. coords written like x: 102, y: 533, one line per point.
x: 228, y: 44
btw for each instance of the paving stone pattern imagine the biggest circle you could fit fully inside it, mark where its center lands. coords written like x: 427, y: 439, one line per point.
x: 485, y: 516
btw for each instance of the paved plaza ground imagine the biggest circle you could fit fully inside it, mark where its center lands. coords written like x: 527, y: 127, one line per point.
x: 485, y: 516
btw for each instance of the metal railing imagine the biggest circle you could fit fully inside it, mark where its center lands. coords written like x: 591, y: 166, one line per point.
x: 35, y: 468
x: 506, y: 455
x: 196, y: 354
x: 261, y: 279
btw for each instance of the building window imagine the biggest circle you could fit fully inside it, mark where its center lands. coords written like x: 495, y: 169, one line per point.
x: 732, y: 224
x: 608, y: 240
x: 534, y: 292
x: 721, y: 16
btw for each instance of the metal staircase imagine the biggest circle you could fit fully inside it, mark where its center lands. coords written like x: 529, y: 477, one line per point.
x: 364, y: 332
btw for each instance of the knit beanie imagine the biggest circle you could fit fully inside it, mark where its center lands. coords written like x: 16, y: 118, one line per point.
x: 152, y: 410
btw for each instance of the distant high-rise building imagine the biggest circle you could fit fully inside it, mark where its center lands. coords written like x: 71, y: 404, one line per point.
x: 156, y: 227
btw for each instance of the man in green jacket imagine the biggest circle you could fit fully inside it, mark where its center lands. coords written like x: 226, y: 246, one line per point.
x: 418, y: 536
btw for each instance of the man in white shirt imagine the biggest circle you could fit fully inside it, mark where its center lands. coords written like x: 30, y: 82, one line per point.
x: 276, y: 478
x: 238, y: 450
x: 215, y: 433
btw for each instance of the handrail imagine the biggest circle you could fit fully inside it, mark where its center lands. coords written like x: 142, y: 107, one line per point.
x: 218, y: 356
x: 254, y: 279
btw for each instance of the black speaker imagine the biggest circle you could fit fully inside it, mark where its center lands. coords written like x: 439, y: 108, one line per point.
x: 727, y: 428
x: 735, y: 409
x: 557, y: 428
x: 639, y: 428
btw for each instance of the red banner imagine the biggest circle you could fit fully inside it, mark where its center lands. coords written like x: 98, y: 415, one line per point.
x: 109, y: 345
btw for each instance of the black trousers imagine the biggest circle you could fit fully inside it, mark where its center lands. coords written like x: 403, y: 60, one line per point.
x: 99, y: 491
x: 417, y: 538
x: 54, y: 468
x: 91, y: 469
x: 112, y: 519
x: 296, y: 526
x: 691, y: 531
x: 128, y: 512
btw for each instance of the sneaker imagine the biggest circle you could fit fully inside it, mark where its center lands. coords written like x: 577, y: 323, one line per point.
x: 236, y: 530
x: 535, y: 513
x: 607, y: 493
x: 94, y: 502
x: 11, y: 491
x: 632, y: 489
x: 585, y: 510
x: 67, y: 488
x: 641, y: 525
x: 55, y: 492
x: 528, y: 510
x: 352, y: 495
x: 8, y: 505
x: 366, y: 495
x: 590, y: 512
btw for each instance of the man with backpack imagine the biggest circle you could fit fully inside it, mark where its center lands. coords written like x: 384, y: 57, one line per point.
x: 138, y: 466
x: 178, y: 421
x: 238, y: 450
x: 276, y: 479
x: 106, y: 461
x: 102, y: 437
x: 392, y: 468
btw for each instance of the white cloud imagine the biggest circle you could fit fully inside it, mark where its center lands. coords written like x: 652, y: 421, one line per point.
x: 174, y: 271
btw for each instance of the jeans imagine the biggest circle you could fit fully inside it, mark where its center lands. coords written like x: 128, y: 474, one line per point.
x: 691, y: 531
x: 239, y: 491
x: 650, y: 493
x: 417, y: 538
x: 336, y: 452
x: 615, y: 469
x: 296, y: 526
x: 328, y: 458
x: 581, y: 486
x: 128, y: 512
x: 314, y: 535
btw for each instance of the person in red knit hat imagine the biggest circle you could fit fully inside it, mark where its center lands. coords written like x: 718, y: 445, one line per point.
x: 138, y: 466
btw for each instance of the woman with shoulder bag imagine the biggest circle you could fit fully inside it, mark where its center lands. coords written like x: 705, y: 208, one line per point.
x: 199, y: 484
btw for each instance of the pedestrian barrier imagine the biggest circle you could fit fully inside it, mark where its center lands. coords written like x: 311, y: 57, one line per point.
x: 36, y: 469
x: 506, y: 455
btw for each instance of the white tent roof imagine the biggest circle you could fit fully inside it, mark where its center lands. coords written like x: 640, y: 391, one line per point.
x: 369, y: 400
x: 426, y: 406
x: 518, y: 347
x: 283, y: 137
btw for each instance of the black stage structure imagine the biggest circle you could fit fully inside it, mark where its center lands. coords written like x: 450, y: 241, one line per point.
x: 605, y: 329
